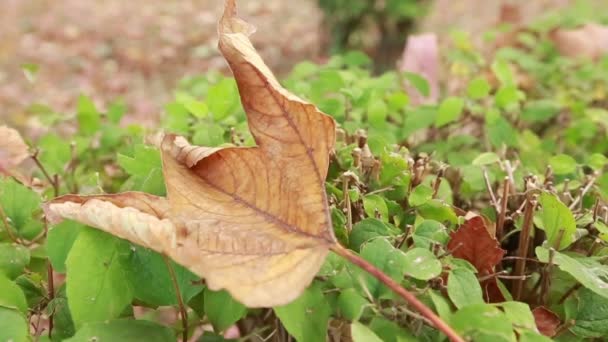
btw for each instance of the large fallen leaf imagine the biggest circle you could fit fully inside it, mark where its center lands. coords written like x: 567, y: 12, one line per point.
x: 589, y: 40
x: 252, y: 220
x: 13, y: 149
x: 546, y: 320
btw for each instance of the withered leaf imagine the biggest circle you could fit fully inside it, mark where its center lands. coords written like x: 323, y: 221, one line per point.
x: 13, y: 149
x: 588, y: 41
x: 252, y: 220
x: 546, y: 321
x: 473, y: 242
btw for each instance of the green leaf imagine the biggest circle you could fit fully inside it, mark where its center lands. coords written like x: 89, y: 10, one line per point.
x: 428, y: 232
x: 368, y: 229
x: 361, y: 333
x: 13, y: 259
x: 208, y: 135
x: 420, y: 195
x: 13, y: 326
x: 506, y: 96
x: 351, y: 304
x: 597, y: 161
x: 421, y: 264
x: 556, y: 216
x: 478, y: 88
x: 373, y: 204
x: 54, y: 153
x: 590, y: 273
x: 591, y: 320
x: 222, y: 310
x: 30, y: 70
x: 59, y: 242
x: 438, y: 211
x: 11, y: 295
x: 222, y: 98
x: 63, y: 324
x: 124, y: 330
x: 116, y: 111
x: 307, y: 317
x: 390, y: 260
x: 532, y: 336
x: 483, y: 323
x: 486, y: 158
x: 419, y: 82
x: 197, y: 108
x: 540, y: 110
x: 20, y: 205
x: 89, y: 120
x: 145, y: 168
x: 151, y: 280
x: 502, y: 71
x: 563, y: 164
x: 356, y: 59
x: 449, y: 111
x: 519, y: 314
x: 389, y: 331
x: 377, y: 112
x: 97, y: 286
x: 464, y: 288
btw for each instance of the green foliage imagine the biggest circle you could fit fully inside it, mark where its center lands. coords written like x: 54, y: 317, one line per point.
x: 414, y: 171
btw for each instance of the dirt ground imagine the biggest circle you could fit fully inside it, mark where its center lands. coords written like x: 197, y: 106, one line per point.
x: 138, y: 49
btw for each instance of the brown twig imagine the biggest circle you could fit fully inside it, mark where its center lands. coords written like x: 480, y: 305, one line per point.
x: 349, y: 212
x: 398, y: 289
x: 583, y: 192
x: 51, y: 283
x: 524, y: 240
x: 180, y: 301
x: 490, y: 191
x: 504, y: 201
x: 54, y: 181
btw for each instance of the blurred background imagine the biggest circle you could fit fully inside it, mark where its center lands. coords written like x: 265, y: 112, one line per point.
x: 138, y: 50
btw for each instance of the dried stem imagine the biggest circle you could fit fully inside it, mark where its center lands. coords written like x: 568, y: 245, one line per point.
x: 51, y: 284
x: 504, y: 201
x: 524, y: 240
x: 490, y: 191
x: 583, y: 192
x: 180, y: 301
x: 546, y: 278
x: 349, y: 212
x: 398, y: 289
x: 54, y: 181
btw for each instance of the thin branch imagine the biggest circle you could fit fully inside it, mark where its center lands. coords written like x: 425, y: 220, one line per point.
x: 51, y: 284
x: 583, y: 192
x: 180, y: 301
x: 490, y: 191
x: 524, y: 240
x: 504, y: 201
x: 54, y: 181
x: 398, y: 289
x: 349, y: 212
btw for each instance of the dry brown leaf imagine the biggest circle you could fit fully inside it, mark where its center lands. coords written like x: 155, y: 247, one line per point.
x: 13, y: 149
x: 473, y: 242
x: 252, y: 220
x: 546, y: 321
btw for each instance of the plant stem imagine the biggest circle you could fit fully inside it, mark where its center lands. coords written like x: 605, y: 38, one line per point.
x: 524, y: 240
x: 54, y: 181
x: 504, y: 201
x: 180, y: 301
x: 398, y: 289
x: 51, y: 282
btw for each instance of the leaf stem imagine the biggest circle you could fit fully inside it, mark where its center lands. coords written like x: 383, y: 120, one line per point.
x: 398, y: 289
x: 51, y: 285
x: 180, y: 301
x: 504, y: 201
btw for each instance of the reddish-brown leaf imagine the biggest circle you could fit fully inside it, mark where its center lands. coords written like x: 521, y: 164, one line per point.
x: 473, y: 242
x: 546, y: 321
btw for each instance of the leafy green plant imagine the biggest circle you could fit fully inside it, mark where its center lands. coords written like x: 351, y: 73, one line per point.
x: 440, y: 198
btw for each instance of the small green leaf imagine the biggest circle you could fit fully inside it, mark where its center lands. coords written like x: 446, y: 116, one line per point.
x: 11, y: 295
x: 351, y: 304
x: 563, y: 164
x: 420, y: 195
x: 222, y: 98
x: 389, y: 331
x: 97, y: 286
x: 556, y: 216
x: 464, y: 288
x: 307, y: 317
x: 387, y: 258
x: 222, y: 310
x: 30, y: 70
x: 20, y: 205
x: 507, y: 96
x: 419, y: 82
x: 123, y: 330
x: 59, y: 242
x: 438, y: 211
x: 449, y: 111
x: 13, y: 259
x: 377, y: 112
x: 592, y: 317
x: 375, y: 204
x: 421, y: 264
x: 502, y: 71
x: 478, y: 88
x: 13, y: 326
x: 151, y: 281
x: 597, y: 161
x: 486, y: 159
x: 89, y: 120
x: 368, y: 229
x: 519, y: 314
x: 361, y: 333
x: 590, y: 273
x: 428, y: 232
x: 483, y: 323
